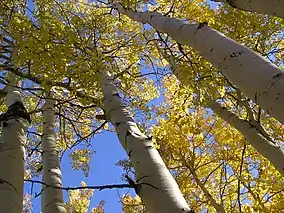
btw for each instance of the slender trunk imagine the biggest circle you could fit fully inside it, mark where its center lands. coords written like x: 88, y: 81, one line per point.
x: 265, y: 84
x: 269, y: 7
x: 255, y: 136
x: 254, y: 193
x: 156, y: 186
x: 219, y: 208
x: 12, y: 152
x: 52, y: 199
x: 252, y: 131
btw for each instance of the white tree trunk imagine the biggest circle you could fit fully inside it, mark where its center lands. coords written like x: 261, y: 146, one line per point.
x: 12, y: 152
x: 255, y: 136
x: 51, y: 199
x: 259, y: 79
x: 252, y: 131
x: 158, y: 189
x: 270, y: 7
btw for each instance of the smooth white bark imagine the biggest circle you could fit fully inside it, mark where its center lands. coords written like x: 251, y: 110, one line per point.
x: 270, y: 7
x: 254, y: 134
x: 252, y: 131
x: 12, y: 152
x: 259, y: 79
x: 51, y: 199
x: 159, y: 191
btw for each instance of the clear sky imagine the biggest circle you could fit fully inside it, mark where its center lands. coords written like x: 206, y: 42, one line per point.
x: 103, y: 171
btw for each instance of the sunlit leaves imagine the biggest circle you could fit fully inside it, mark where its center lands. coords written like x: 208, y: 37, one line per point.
x: 132, y: 204
x: 203, y: 151
x: 99, y: 208
x: 79, y: 200
x: 73, y: 41
x: 27, y: 204
x: 80, y: 160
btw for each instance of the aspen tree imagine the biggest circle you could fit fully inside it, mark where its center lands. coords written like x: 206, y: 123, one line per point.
x: 12, y: 151
x: 255, y: 135
x: 52, y: 198
x: 251, y: 130
x: 155, y: 185
x: 265, y: 84
x: 271, y: 7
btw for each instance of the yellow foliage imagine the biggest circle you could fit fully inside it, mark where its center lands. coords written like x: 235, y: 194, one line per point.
x: 203, y: 152
x: 80, y: 159
x: 76, y: 40
x: 132, y: 204
x: 100, y: 208
x: 79, y: 200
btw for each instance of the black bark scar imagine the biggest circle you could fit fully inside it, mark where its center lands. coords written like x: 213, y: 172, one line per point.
x: 15, y: 111
x: 202, y: 24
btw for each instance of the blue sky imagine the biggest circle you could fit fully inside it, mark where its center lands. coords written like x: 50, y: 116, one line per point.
x: 103, y: 171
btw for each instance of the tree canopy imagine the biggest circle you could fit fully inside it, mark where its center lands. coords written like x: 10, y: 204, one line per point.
x: 220, y: 138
